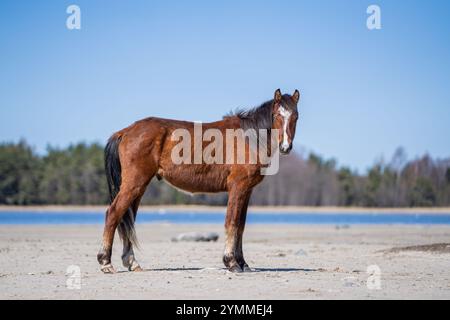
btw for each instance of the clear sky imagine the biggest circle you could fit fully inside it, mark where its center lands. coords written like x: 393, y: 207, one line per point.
x: 363, y: 92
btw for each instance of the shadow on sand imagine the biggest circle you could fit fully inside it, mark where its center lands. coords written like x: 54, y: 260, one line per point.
x: 285, y: 270
x: 254, y: 270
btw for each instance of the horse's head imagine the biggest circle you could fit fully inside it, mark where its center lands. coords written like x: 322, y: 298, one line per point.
x: 285, y: 117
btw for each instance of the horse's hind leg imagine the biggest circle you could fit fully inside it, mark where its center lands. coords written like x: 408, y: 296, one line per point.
x: 124, y: 199
x: 128, y: 258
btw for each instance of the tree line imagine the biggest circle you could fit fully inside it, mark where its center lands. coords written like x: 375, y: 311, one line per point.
x: 75, y: 176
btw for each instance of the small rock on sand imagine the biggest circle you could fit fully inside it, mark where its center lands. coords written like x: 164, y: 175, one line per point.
x: 301, y: 252
x: 196, y: 237
x: 350, y: 282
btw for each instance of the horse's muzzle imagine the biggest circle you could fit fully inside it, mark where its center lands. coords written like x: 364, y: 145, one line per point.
x: 285, y: 150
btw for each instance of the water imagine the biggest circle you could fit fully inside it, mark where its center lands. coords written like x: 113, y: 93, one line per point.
x: 71, y: 218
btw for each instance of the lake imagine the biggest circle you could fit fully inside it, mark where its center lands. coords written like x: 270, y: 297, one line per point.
x: 80, y: 218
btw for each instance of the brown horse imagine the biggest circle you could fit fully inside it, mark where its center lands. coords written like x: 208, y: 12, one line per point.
x: 134, y: 155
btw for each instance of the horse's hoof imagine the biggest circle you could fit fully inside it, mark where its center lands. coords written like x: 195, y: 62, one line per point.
x: 235, y: 269
x: 132, y: 265
x: 136, y: 269
x: 246, y: 268
x: 108, y: 269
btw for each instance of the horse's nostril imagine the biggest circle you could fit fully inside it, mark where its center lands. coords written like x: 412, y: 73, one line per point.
x: 285, y: 149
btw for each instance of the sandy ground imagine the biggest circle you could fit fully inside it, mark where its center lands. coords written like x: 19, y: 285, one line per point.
x: 291, y: 262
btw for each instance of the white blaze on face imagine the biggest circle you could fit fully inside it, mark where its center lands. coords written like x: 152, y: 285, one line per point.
x: 286, y: 114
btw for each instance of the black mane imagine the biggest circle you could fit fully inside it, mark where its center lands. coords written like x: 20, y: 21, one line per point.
x: 256, y: 118
x: 259, y: 117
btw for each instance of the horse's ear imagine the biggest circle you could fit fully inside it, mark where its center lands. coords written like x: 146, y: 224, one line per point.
x: 277, y: 96
x: 296, y: 96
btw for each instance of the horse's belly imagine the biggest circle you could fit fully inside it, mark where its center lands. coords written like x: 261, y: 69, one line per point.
x: 196, y: 178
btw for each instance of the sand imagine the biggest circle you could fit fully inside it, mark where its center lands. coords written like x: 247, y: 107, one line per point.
x: 291, y: 262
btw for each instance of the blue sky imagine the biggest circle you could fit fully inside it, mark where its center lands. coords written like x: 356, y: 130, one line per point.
x: 364, y: 93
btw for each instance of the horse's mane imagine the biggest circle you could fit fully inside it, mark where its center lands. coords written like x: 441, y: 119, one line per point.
x: 256, y: 118
x: 260, y: 117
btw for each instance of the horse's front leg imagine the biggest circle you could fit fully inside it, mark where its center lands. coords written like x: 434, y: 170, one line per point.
x: 233, y: 257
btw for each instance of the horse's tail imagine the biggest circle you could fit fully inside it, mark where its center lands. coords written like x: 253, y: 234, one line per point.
x: 113, y: 174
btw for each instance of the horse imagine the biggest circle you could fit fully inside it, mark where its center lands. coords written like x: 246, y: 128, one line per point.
x: 144, y: 150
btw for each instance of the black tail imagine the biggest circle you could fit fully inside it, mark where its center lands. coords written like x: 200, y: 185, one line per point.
x: 113, y: 175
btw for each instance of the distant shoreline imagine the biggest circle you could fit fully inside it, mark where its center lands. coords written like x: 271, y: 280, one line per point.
x: 219, y: 209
